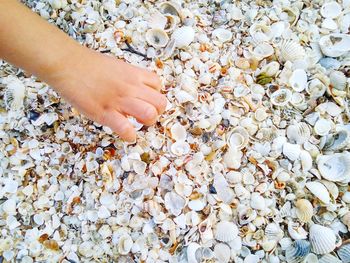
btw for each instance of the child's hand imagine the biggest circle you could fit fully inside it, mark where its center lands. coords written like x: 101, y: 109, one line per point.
x: 106, y: 90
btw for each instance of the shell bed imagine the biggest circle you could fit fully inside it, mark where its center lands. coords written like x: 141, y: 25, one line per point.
x: 250, y: 162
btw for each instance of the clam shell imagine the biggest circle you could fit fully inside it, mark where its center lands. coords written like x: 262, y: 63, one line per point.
x: 238, y: 138
x: 331, y: 9
x: 222, y: 35
x: 338, y: 80
x: 291, y: 51
x: 344, y: 253
x: 157, y: 20
x: 304, y: 210
x: 281, y: 97
x: 157, y: 37
x: 316, y: 88
x: 329, y: 24
x: 330, y: 63
x: 335, y: 45
x: 338, y: 141
x: 14, y: 93
x: 183, y: 36
x: 335, y: 167
x: 260, y: 32
x: 222, y: 252
x: 328, y: 258
x: 178, y: 132
x: 298, y: 133
x: 271, y: 69
x: 263, y: 50
x: 297, y: 251
x: 322, y: 239
x: 180, y: 148
x: 192, y: 256
x: 311, y: 258
x: 296, y: 231
x: 319, y: 190
x: 225, y: 231
x: 291, y: 151
x: 171, y: 8
x: 322, y: 127
x: 273, y: 232
x: 305, y: 160
x: 125, y: 244
x: 298, y: 80
x: 174, y: 203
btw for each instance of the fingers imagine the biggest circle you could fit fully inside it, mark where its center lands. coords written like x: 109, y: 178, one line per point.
x: 141, y: 110
x: 119, y: 124
x: 152, y: 80
x: 154, y: 98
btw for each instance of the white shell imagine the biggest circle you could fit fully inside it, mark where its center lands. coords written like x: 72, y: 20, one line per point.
x: 174, y: 203
x: 180, y: 148
x: 296, y: 231
x: 322, y: 127
x: 263, y: 50
x: 222, y: 252
x: 281, y: 97
x: 331, y: 9
x: 344, y: 253
x: 192, y: 248
x: 238, y: 138
x: 298, y: 80
x: 335, y: 45
x: 222, y: 35
x: 322, y: 239
x: 305, y: 160
x: 298, y: 133
x: 304, y: 210
x: 338, y: 80
x: 338, y: 141
x: 328, y: 258
x: 158, y: 20
x: 183, y: 36
x: 335, y: 167
x: 297, y: 251
x: 329, y: 24
x: 271, y: 69
x: 273, y: 232
x: 14, y: 93
x: 292, y: 51
x: 225, y: 231
x: 178, y: 132
x: 316, y: 88
x: 319, y: 190
x: 291, y: 151
x: 169, y: 49
x: 157, y: 37
x: 9, y: 207
x: 124, y: 244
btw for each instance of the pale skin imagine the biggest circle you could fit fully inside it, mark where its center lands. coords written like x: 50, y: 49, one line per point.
x: 101, y: 87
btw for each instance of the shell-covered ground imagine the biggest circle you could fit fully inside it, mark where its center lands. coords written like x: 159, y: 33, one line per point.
x: 249, y: 163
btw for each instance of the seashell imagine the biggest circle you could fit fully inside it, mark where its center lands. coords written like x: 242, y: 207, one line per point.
x: 292, y: 14
x: 9, y: 207
x: 178, y: 132
x: 291, y: 51
x: 338, y: 141
x: 171, y: 8
x: 322, y: 127
x: 14, y: 93
x: 158, y: 20
x: 322, y: 239
x: 296, y: 231
x: 329, y: 24
x: 298, y: 80
x: 298, y: 133
x: 174, y: 203
x: 330, y: 10
x: 180, y: 148
x: 247, y: 215
x: 305, y: 160
x: 263, y: 50
x: 257, y: 201
x: 192, y: 256
x: 183, y: 36
x: 222, y: 252
x: 222, y: 35
x: 304, y: 210
x: 125, y: 244
x: 311, y: 258
x: 291, y: 151
x: 330, y: 63
x: 344, y: 253
x: 260, y: 32
x: 297, y: 251
x: 273, y: 232
x: 316, y: 88
x: 281, y: 97
x: 225, y: 231
x: 169, y: 49
x: 157, y: 37
x: 335, y: 45
x: 335, y: 167
x: 338, y: 80
x: 232, y: 158
x: 238, y: 138
x: 171, y: 23
x: 319, y: 190
x: 271, y: 69
x: 328, y: 258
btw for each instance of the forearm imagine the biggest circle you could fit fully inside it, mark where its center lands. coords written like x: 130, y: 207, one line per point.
x: 31, y: 43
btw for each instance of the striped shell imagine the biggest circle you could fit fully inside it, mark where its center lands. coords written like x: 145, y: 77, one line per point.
x: 297, y: 251
x: 344, y: 253
x: 291, y: 51
x: 304, y: 210
x: 225, y: 231
x: 322, y: 239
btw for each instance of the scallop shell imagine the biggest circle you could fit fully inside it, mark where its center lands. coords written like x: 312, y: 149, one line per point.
x: 298, y: 133
x: 297, y: 251
x: 344, y: 253
x: 319, y: 190
x: 225, y: 231
x: 238, y: 138
x: 222, y: 252
x: 281, y: 97
x: 14, y: 93
x: 304, y: 210
x: 157, y: 37
x: 292, y: 51
x: 335, y: 45
x: 328, y: 258
x: 291, y: 151
x: 298, y: 80
x: 338, y: 80
x: 316, y: 88
x: 331, y: 9
x: 335, y: 167
x: 322, y: 239
x: 171, y: 8
x: 273, y: 232
x: 191, y: 252
x: 263, y: 50
x: 222, y: 35
x: 322, y: 127
x: 183, y: 36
